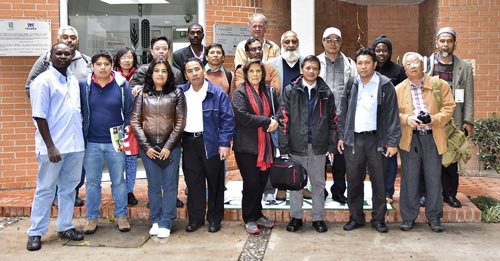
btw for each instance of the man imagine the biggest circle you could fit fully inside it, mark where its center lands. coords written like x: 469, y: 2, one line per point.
x: 55, y: 103
x: 80, y: 67
x: 214, y: 69
x: 205, y: 144
x: 254, y: 50
x: 423, y: 141
x: 288, y: 67
x: 258, y: 23
x: 160, y: 46
x: 395, y: 72
x: 336, y: 69
x: 458, y: 74
x: 195, y: 49
x: 369, y: 133
x: 106, y: 103
x: 307, y: 133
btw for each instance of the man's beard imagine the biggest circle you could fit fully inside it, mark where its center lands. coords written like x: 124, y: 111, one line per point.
x: 290, y: 56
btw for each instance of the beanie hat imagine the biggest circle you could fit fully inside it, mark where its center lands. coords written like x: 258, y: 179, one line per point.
x: 331, y: 30
x: 447, y: 30
x: 382, y: 39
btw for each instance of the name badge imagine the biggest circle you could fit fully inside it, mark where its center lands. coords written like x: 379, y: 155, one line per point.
x: 459, y: 95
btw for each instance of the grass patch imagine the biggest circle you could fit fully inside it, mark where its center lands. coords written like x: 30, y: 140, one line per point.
x: 490, y: 208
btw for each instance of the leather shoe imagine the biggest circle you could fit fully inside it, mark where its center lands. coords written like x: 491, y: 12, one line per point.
x: 34, y: 243
x: 71, y: 234
x: 435, y: 225
x: 78, y: 202
x: 191, y: 227
x: 452, y: 201
x: 320, y: 226
x: 339, y: 198
x: 179, y: 203
x: 380, y: 227
x: 294, y: 225
x: 307, y: 194
x: 422, y: 202
x: 406, y: 225
x: 351, y: 225
x: 131, y: 199
x: 213, y: 227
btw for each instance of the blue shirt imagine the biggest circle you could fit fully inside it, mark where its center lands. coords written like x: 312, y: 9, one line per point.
x: 56, y: 98
x: 366, y: 108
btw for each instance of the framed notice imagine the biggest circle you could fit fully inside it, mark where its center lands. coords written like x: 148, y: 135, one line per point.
x: 229, y: 36
x: 24, y: 37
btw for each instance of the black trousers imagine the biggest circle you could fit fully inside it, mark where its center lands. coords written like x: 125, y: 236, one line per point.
x: 198, y: 173
x: 449, y: 179
x: 254, y: 183
x: 363, y: 154
x: 338, y: 174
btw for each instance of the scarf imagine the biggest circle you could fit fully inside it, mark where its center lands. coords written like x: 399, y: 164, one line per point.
x: 126, y: 75
x: 264, y: 150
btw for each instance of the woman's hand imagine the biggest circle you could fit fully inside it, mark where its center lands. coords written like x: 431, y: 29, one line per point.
x: 273, y: 125
x: 152, y: 153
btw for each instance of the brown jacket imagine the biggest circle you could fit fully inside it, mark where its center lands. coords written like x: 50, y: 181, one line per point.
x: 272, y: 79
x: 439, y: 117
x: 158, y: 119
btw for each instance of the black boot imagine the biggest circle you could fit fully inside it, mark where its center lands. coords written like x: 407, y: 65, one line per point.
x: 131, y: 199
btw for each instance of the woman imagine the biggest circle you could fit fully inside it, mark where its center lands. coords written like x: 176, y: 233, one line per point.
x: 252, y: 143
x: 125, y: 63
x: 158, y: 120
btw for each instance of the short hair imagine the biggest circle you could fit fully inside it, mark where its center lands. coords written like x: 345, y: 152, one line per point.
x: 58, y: 43
x: 123, y: 51
x: 365, y: 51
x: 257, y: 16
x: 192, y: 59
x: 103, y: 54
x: 263, y: 69
x: 288, y: 32
x: 195, y: 24
x: 160, y: 38
x: 405, y: 56
x: 311, y: 58
x: 214, y: 45
x: 149, y: 85
x: 250, y: 41
x: 64, y: 28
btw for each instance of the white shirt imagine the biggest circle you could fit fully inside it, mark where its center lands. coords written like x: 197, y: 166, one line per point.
x: 366, y: 108
x: 309, y: 87
x: 194, y: 100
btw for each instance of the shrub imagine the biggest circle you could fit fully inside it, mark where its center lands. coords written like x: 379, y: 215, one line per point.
x: 486, y: 135
x: 484, y: 202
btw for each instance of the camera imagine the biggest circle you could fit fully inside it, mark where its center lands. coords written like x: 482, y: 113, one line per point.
x: 424, y: 117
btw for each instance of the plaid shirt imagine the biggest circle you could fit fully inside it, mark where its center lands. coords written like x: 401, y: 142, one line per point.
x: 418, y: 100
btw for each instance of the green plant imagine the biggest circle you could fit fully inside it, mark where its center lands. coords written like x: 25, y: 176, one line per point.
x: 486, y: 135
x: 484, y: 202
x: 491, y: 214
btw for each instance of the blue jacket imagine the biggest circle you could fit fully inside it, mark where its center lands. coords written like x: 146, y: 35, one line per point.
x: 127, y: 100
x: 218, y: 119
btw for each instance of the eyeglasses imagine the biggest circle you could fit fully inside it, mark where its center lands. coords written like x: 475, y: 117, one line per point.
x: 255, y: 49
x: 159, y: 48
x: 126, y: 58
x: 330, y: 40
x: 290, y: 41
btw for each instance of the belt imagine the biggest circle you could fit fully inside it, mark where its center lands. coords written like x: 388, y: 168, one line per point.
x: 422, y: 132
x: 193, y: 134
x: 367, y: 132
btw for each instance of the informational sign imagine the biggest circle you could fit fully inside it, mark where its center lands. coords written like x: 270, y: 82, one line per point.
x: 229, y: 36
x: 24, y: 37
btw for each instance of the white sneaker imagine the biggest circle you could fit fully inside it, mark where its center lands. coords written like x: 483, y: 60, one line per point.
x: 163, y: 232
x: 270, y: 200
x: 154, y: 229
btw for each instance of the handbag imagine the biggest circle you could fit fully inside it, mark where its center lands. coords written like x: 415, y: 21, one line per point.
x: 131, y: 146
x: 161, y: 163
x: 287, y: 174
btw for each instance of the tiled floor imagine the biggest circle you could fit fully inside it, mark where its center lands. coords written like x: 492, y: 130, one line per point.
x: 18, y: 202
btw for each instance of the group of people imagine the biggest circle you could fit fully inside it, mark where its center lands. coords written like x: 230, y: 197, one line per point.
x: 353, y: 114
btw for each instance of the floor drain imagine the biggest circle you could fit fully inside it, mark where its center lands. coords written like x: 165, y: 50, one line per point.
x: 255, y: 246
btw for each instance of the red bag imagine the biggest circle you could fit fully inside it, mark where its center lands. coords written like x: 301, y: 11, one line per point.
x: 131, y: 146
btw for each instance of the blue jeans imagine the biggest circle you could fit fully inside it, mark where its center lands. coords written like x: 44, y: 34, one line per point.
x: 130, y: 171
x: 95, y: 154
x: 162, y: 189
x: 66, y: 175
x: 390, y: 175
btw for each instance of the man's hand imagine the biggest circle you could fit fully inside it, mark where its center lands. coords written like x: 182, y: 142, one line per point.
x: 468, y: 128
x: 223, y: 152
x: 54, y: 155
x: 391, y: 151
x: 340, y: 146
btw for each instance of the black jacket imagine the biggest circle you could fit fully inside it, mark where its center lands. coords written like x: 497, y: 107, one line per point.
x: 247, y: 122
x: 293, y: 120
x: 140, y: 74
x: 394, y: 72
x: 388, y: 125
x: 180, y: 56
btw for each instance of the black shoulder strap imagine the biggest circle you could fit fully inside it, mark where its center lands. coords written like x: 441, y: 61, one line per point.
x: 229, y: 76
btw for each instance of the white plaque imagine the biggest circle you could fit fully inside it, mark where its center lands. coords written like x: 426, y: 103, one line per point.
x: 230, y: 35
x: 24, y: 37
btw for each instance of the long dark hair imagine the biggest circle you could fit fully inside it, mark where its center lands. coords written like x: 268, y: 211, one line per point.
x: 149, y: 85
x: 119, y: 55
x: 247, y: 67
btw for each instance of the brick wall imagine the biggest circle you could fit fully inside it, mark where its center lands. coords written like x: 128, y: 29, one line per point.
x: 18, y: 165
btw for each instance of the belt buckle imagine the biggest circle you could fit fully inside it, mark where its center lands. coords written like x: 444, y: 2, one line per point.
x: 422, y: 132
x: 197, y: 134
